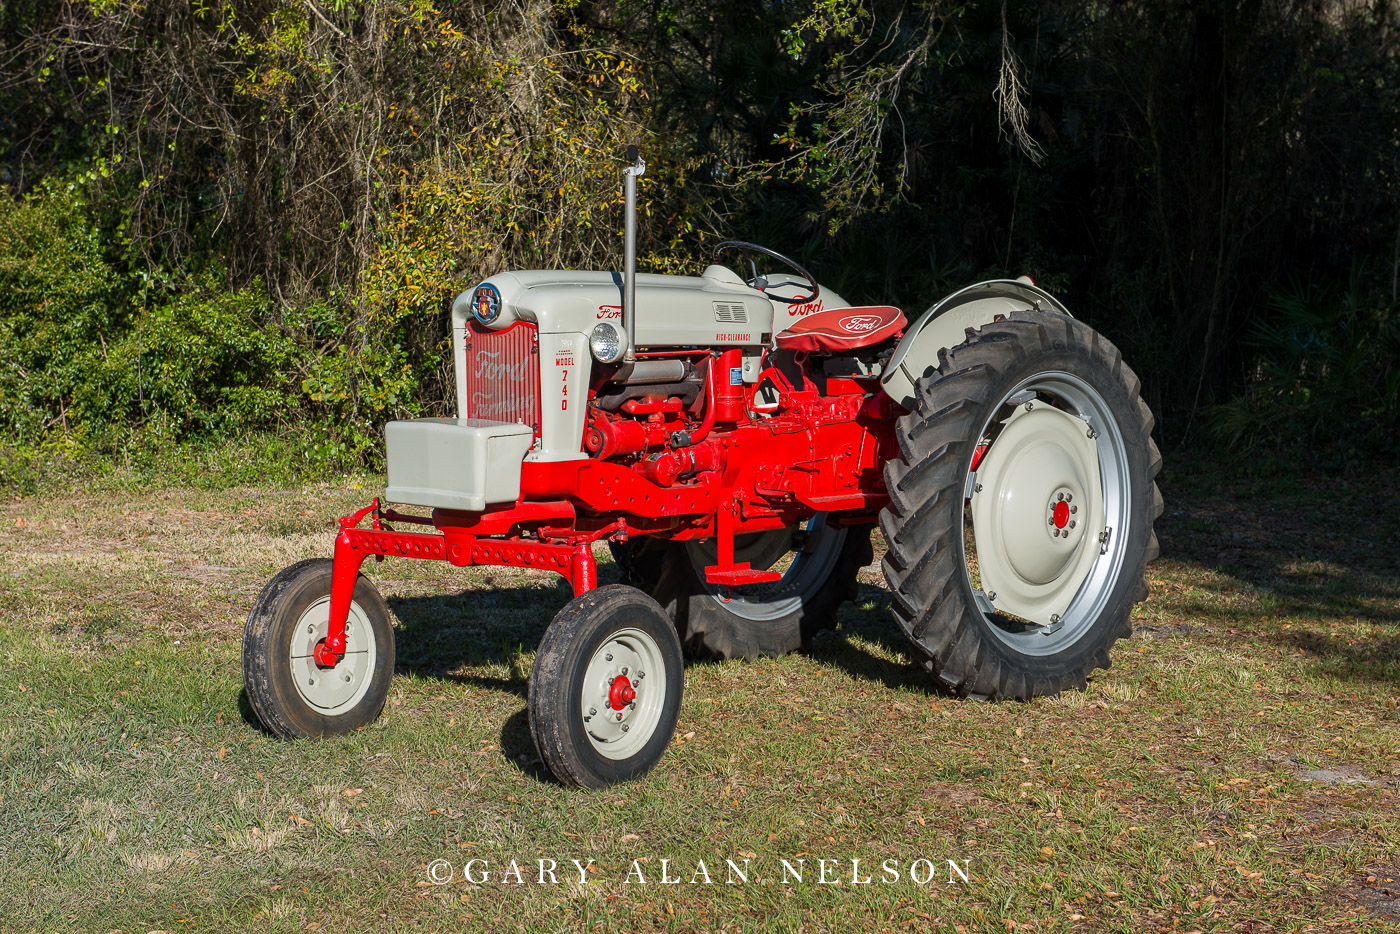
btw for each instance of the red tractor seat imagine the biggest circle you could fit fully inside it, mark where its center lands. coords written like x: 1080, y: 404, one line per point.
x: 842, y: 329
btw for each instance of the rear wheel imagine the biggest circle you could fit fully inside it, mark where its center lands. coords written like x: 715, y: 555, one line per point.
x: 1021, y: 508
x: 818, y: 561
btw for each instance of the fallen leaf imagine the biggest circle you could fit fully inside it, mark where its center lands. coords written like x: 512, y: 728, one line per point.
x: 222, y: 751
x: 629, y: 837
x: 352, y: 792
x: 20, y: 523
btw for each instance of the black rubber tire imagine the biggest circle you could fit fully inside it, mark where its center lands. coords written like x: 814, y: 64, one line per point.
x: 557, y: 724
x: 708, y: 629
x: 925, y: 566
x: 267, y: 646
x: 640, y: 561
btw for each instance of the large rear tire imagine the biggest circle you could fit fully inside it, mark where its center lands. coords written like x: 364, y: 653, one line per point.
x: 819, y: 562
x: 1021, y: 508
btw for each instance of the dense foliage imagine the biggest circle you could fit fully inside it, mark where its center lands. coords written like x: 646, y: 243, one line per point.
x: 228, y: 217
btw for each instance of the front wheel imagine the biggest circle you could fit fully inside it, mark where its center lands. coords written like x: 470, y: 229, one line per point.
x: 605, y: 689
x: 1021, y: 508
x: 295, y: 696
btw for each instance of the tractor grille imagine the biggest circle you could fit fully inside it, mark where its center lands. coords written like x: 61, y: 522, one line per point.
x: 502, y: 374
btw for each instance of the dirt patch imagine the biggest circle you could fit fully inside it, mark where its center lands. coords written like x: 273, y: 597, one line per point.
x: 1377, y: 892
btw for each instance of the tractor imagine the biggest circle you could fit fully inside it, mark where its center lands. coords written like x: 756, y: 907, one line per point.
x: 734, y: 437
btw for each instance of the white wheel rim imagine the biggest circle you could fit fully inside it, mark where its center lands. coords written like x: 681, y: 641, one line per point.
x: 810, y: 568
x: 332, y: 691
x: 1032, y: 563
x: 631, y: 657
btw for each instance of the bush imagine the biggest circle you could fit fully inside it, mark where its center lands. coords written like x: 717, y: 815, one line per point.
x: 59, y: 310
x: 1326, y: 370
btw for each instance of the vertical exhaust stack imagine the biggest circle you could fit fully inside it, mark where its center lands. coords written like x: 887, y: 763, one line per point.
x: 629, y: 269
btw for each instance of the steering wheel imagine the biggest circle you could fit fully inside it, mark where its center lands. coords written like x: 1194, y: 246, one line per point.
x: 761, y: 282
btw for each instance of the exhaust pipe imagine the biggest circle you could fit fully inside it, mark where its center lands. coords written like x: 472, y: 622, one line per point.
x: 629, y: 237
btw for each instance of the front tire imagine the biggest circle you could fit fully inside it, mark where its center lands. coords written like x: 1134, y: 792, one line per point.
x: 605, y: 689
x: 293, y: 696
x: 1015, y: 580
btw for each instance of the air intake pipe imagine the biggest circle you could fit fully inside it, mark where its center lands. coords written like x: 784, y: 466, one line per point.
x: 629, y: 239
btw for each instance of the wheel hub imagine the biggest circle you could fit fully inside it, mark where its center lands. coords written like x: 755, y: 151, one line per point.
x: 624, y: 688
x: 621, y: 693
x: 332, y: 682
x: 1037, y: 487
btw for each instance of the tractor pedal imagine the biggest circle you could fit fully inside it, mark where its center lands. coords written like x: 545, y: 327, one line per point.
x: 737, y: 575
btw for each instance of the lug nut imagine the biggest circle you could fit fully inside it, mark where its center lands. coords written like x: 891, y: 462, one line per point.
x: 608, y: 656
x: 619, y: 716
x: 1052, y: 520
x: 641, y: 674
x: 1071, y: 523
x: 624, y: 671
x: 624, y: 728
x: 1069, y: 498
x: 991, y: 595
x: 1074, y: 509
x: 1059, y: 496
x: 593, y: 711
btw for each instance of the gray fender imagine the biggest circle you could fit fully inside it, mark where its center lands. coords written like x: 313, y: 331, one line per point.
x: 945, y: 325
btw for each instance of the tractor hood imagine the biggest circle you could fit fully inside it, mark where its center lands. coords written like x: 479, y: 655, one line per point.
x: 713, y: 309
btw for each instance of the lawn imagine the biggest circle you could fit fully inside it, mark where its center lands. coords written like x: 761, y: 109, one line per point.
x: 1236, y: 769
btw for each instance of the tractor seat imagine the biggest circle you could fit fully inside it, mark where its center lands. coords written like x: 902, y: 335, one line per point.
x: 838, y: 330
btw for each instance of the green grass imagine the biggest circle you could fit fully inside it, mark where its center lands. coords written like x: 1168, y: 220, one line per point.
x: 137, y: 793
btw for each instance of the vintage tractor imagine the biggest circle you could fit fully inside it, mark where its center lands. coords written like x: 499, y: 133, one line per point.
x: 734, y: 437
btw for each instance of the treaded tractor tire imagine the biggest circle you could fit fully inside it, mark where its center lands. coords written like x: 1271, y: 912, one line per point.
x: 279, y: 629
x: 971, y: 648
x: 746, y: 626
x: 603, y: 643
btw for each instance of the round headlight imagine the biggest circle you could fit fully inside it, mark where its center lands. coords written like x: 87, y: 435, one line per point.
x: 486, y: 303
x: 606, y: 344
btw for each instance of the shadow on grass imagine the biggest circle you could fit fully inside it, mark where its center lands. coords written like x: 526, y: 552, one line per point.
x: 439, y: 635
x: 1317, y: 552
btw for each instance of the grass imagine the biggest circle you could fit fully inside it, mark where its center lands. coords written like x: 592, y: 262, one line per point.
x: 1236, y: 770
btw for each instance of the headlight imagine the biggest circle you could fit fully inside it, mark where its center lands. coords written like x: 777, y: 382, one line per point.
x: 486, y: 303
x: 606, y: 344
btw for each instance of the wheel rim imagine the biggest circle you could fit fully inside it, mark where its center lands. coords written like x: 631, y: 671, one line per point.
x: 1061, y: 460
x: 810, y: 566
x: 623, y: 693
x: 332, y: 691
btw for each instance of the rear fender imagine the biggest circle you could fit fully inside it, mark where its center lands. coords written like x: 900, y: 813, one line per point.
x: 945, y: 325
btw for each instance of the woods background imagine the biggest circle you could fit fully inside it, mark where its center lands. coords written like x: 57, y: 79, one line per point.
x: 244, y: 223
